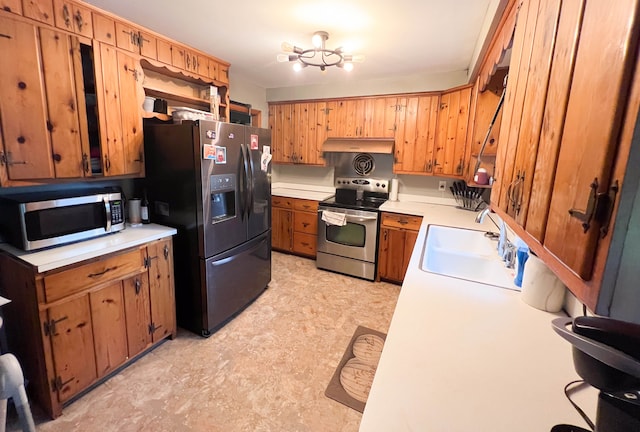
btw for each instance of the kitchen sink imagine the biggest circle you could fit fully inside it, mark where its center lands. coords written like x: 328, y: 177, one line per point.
x: 465, y: 254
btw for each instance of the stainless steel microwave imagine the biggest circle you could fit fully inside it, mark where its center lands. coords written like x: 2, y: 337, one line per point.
x: 37, y: 220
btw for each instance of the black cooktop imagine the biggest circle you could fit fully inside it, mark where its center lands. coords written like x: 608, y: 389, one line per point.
x: 347, y: 198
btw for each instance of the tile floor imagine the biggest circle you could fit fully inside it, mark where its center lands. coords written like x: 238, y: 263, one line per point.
x: 266, y: 370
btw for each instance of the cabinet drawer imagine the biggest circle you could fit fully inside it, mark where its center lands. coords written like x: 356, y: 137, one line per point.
x: 305, y: 205
x: 305, y: 222
x: 401, y: 221
x: 304, y: 243
x: 59, y: 285
x: 281, y: 202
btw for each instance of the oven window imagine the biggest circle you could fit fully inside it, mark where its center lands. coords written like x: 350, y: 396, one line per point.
x: 59, y: 221
x: 350, y: 234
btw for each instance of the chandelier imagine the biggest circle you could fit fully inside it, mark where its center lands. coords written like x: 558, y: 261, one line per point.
x: 318, y: 56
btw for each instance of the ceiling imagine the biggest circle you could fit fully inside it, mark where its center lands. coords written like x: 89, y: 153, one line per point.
x: 397, y: 37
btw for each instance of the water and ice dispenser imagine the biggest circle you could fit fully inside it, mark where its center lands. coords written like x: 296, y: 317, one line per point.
x: 223, y: 197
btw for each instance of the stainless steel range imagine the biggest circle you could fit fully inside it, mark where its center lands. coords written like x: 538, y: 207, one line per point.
x: 348, y: 226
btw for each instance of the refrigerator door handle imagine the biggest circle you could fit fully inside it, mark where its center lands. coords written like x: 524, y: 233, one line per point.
x: 247, y: 183
x: 251, y: 179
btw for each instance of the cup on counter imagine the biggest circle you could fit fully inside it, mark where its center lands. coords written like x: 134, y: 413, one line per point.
x: 135, y: 216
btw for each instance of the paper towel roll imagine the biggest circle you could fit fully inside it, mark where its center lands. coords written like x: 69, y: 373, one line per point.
x: 393, y: 190
x: 540, y: 287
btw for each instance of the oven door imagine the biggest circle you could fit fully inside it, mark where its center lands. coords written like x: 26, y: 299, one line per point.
x: 357, y: 239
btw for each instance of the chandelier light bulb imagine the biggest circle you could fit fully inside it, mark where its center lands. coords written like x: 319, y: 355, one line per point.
x: 286, y: 47
x: 348, y: 67
x: 282, y: 58
x: 297, y: 66
x: 358, y: 58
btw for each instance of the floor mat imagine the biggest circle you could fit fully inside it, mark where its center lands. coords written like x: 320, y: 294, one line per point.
x: 353, y: 377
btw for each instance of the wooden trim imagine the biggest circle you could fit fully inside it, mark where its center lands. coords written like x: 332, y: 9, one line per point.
x: 339, y: 99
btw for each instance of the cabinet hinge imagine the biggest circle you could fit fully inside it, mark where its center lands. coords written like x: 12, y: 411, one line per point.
x: 57, y: 384
x: 153, y: 328
x: 3, y: 159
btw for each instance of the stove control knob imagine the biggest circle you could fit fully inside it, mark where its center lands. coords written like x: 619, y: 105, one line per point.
x: 378, y: 184
x: 384, y: 186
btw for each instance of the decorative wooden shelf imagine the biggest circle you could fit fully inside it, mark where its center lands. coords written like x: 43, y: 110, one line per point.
x: 159, y: 116
x: 180, y: 98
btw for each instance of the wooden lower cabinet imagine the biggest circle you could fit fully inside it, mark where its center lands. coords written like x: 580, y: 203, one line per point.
x: 294, y: 225
x: 68, y: 344
x: 398, y: 234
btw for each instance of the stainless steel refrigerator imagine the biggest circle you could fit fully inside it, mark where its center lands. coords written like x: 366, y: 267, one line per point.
x: 207, y: 179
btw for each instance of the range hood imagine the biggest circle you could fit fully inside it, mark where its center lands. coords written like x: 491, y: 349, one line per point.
x: 358, y: 145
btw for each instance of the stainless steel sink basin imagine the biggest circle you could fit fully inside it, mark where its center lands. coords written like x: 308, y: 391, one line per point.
x: 465, y: 254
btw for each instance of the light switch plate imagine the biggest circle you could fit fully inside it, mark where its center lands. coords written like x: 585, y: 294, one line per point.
x: 442, y: 186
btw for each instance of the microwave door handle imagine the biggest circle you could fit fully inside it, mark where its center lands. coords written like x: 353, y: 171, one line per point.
x: 107, y: 212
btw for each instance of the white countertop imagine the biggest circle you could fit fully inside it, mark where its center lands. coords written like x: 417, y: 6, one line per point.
x: 56, y: 257
x: 462, y: 356
x: 302, y: 191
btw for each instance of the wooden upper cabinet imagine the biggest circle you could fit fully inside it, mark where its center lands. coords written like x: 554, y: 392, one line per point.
x: 451, y: 132
x: 27, y: 143
x: 608, y: 36
x: 415, y: 133
x: 14, y: 6
x: 164, y: 51
x: 178, y: 58
x: 39, y: 10
x: 381, y: 117
x: 132, y: 39
x: 127, y: 37
x: 67, y: 124
x: 120, y: 96
x: 213, y: 69
x: 73, y: 17
x: 44, y: 117
x: 104, y: 29
x: 223, y: 73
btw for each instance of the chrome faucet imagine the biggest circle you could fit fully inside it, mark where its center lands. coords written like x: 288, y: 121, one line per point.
x: 506, y: 250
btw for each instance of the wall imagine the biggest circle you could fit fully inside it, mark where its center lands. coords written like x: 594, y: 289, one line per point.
x: 400, y: 84
x: 491, y: 20
x: 302, y: 174
x: 243, y: 90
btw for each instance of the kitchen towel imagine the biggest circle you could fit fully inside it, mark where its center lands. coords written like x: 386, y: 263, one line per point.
x: 333, y: 218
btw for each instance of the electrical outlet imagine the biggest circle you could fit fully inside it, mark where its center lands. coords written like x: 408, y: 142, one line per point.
x: 442, y: 186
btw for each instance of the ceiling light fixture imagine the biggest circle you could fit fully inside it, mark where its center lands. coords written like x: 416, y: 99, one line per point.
x: 318, y: 56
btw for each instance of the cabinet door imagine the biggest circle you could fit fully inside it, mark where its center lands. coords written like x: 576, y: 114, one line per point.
x: 553, y: 118
x: 382, y: 117
x: 281, y: 229
x: 119, y: 105
x: 164, y: 51
x: 138, y: 313
x: 287, y: 128
x: 396, y: 247
x: 72, y: 346
x: 212, y: 71
x: 451, y: 133
x: 223, y: 73
x: 320, y: 131
x: 591, y: 130
x: 178, y: 58
x: 415, y: 136
x: 109, y: 327
x: 73, y: 17
x: 301, y: 138
x: 39, y: 10
x: 148, y: 45
x: 161, y: 290
x: 534, y: 102
x: 62, y: 70
x: 104, y: 29
x: 502, y: 189
x: 336, y: 127
x: 127, y: 37
x: 27, y: 145
x: 14, y: 6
